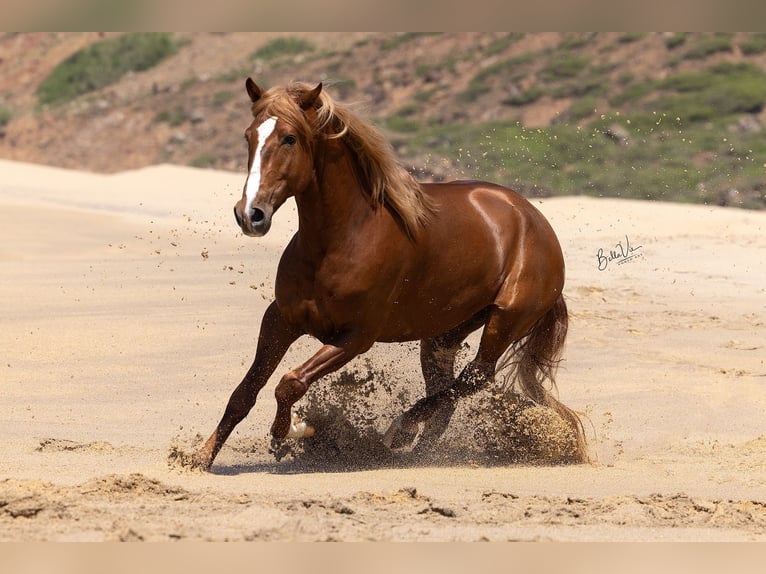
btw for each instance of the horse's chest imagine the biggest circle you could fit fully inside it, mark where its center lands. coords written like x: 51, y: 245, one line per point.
x: 316, y: 304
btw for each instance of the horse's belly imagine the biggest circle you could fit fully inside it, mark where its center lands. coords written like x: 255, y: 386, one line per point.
x: 428, y: 313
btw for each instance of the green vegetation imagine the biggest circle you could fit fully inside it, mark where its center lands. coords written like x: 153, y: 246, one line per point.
x: 587, y: 86
x: 531, y: 95
x: 631, y: 37
x: 236, y: 75
x: 189, y: 82
x: 661, y: 163
x: 402, y: 121
x: 220, y: 98
x: 400, y: 39
x: 626, y: 78
x: 203, y: 160
x: 720, y: 91
x: 512, y: 69
x: 474, y: 90
x: 755, y: 44
x: 5, y: 116
x: 563, y: 66
x: 708, y: 45
x: 682, y: 141
x: 175, y: 116
x: 675, y: 40
x: 633, y: 92
x: 104, y: 63
x: 581, y: 109
x: 287, y: 46
x: 426, y: 95
x: 501, y: 44
x: 575, y: 42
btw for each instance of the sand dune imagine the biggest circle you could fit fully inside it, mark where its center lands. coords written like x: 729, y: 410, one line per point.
x: 130, y: 305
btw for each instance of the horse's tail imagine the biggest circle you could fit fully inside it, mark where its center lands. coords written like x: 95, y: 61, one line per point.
x: 534, y: 359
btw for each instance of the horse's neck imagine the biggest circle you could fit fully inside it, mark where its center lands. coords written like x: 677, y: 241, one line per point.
x: 332, y: 209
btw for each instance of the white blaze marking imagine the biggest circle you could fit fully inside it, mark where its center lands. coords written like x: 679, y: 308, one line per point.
x: 254, y: 178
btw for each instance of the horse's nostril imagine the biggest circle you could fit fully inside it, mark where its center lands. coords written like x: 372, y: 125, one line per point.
x: 257, y: 216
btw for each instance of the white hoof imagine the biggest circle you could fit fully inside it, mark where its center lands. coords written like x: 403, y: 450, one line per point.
x: 299, y: 428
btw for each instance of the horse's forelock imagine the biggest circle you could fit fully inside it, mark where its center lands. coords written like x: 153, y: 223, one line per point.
x: 280, y: 103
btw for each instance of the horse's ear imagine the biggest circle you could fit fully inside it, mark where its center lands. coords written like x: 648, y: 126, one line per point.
x: 308, y: 99
x: 253, y: 90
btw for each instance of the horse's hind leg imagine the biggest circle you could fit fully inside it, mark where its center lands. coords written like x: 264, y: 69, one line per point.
x: 503, y: 327
x: 437, y: 360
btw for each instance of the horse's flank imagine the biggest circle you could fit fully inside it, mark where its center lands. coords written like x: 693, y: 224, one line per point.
x: 379, y: 172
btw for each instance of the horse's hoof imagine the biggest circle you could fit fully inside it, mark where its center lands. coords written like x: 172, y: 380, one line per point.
x: 279, y: 448
x: 198, y: 464
x: 397, y: 437
x: 197, y: 461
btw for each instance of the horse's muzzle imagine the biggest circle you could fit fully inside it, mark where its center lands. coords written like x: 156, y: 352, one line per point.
x: 255, y: 223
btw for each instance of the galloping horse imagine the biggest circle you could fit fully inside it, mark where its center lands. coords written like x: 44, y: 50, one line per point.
x: 380, y: 257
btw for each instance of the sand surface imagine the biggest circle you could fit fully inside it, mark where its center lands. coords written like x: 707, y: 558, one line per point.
x: 130, y: 305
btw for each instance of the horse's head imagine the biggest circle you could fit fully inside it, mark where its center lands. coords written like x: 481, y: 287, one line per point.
x: 280, y: 163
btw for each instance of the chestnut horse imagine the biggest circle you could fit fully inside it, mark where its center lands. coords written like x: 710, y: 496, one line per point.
x: 380, y: 257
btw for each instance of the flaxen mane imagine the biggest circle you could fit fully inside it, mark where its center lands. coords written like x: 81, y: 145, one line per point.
x: 387, y: 182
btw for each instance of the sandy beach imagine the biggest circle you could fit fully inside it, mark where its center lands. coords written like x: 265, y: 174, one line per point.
x: 130, y: 305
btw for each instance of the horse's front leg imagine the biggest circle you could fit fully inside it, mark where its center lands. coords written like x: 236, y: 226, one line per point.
x: 273, y: 341
x: 295, y: 383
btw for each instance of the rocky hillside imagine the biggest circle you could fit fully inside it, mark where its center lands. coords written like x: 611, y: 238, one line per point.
x: 656, y: 115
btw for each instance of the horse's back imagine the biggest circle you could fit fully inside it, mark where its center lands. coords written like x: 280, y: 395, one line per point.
x: 451, y: 190
x: 502, y: 210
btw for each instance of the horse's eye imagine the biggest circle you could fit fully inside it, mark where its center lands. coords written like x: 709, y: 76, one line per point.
x: 289, y: 139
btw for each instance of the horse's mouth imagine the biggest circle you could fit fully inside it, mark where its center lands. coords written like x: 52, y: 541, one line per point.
x: 255, y: 232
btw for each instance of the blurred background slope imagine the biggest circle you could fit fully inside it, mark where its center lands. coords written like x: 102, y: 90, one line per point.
x: 658, y: 115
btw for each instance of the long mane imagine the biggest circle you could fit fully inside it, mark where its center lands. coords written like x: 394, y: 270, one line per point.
x: 386, y: 181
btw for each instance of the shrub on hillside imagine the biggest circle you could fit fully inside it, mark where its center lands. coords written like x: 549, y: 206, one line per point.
x: 675, y: 40
x: 282, y: 47
x: 563, y: 66
x: 755, y: 44
x: 708, y: 45
x: 722, y: 90
x: 5, y: 116
x: 104, y: 63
